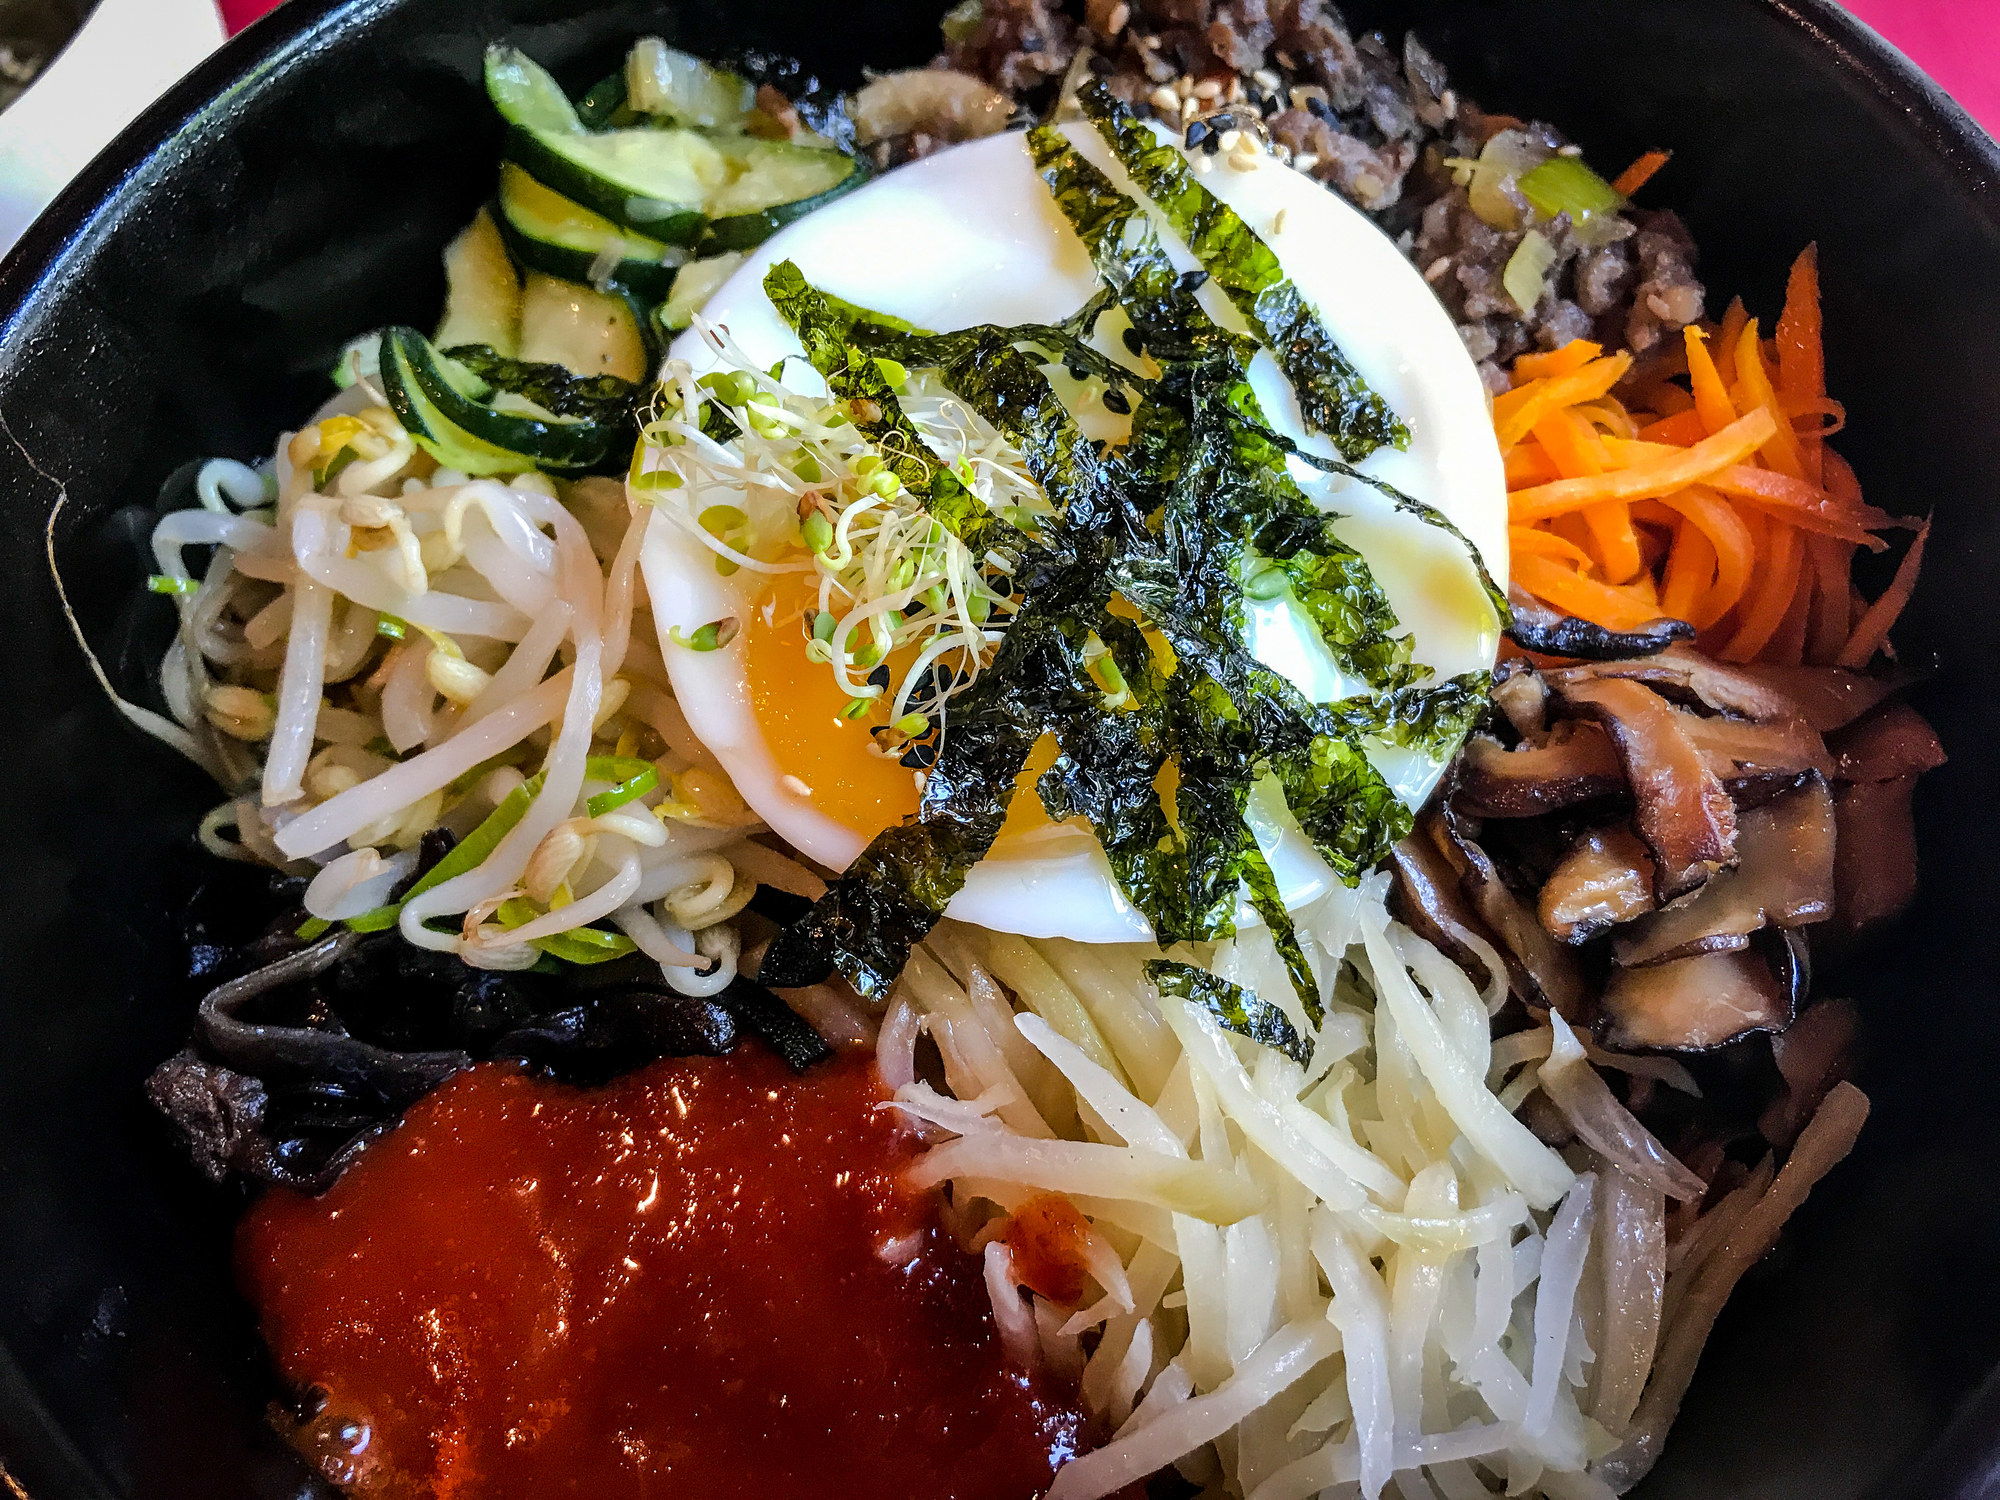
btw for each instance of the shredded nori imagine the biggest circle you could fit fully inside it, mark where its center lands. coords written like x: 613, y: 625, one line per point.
x: 1333, y: 397
x: 557, y: 389
x: 1141, y: 565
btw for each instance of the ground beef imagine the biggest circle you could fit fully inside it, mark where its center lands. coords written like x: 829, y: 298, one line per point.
x: 1376, y: 124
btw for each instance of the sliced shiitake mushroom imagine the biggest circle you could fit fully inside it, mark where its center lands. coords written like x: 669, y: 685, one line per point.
x: 1693, y: 1004
x: 1552, y: 978
x: 1683, y: 813
x: 1550, y: 632
x: 1577, y: 763
x: 1783, y: 877
x: 1605, y: 879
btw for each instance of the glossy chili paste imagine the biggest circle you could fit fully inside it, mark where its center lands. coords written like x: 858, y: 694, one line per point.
x: 703, y: 1281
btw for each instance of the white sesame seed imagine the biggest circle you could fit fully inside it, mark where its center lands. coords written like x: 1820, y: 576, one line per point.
x: 795, y: 786
x: 1164, y: 99
x: 1229, y: 140
x: 1285, y: 61
x: 1369, y: 186
x: 1204, y: 163
x: 1208, y: 89
x: 1190, y: 108
x: 1449, y: 103
x: 1183, y: 86
x: 1305, y: 161
x: 1569, y: 151
x: 1267, y: 80
x: 1278, y: 221
x: 1437, y: 268
x: 1243, y: 161
x: 1236, y: 90
x: 1120, y: 14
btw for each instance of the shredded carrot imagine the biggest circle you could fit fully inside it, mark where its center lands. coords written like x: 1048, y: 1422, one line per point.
x: 1649, y: 479
x: 1571, y: 357
x: 1516, y: 412
x: 1871, y: 634
x: 1640, y: 173
x: 1711, y: 399
x: 1703, y: 489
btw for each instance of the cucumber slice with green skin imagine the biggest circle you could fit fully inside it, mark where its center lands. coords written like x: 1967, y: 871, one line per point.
x: 772, y: 184
x: 666, y: 183
x: 603, y: 106
x: 549, y: 233
x: 654, y: 181
x: 443, y: 406
x: 665, y: 83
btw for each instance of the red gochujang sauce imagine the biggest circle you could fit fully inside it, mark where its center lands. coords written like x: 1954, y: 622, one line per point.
x: 703, y: 1281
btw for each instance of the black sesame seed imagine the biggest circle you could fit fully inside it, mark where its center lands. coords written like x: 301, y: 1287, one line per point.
x: 921, y: 756
x: 1133, y: 342
x: 879, y: 678
x: 1319, y: 108
x: 1193, y: 281
x: 1197, y: 133
x: 1213, y: 144
x: 1002, y: 585
x: 1115, y: 401
x: 1076, y: 370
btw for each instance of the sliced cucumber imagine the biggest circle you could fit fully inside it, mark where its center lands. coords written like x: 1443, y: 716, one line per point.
x: 666, y: 83
x: 360, y: 359
x: 482, y: 303
x: 581, y: 328
x: 549, y: 233
x: 654, y: 181
x: 449, y: 411
x: 717, y: 186
x: 772, y: 183
x: 694, y: 286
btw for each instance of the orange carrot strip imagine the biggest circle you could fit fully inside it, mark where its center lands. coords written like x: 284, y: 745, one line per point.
x: 1833, y: 564
x: 1801, y: 357
x: 1649, y: 479
x: 1522, y: 540
x: 1753, y: 384
x: 1572, y: 357
x: 1527, y: 465
x: 1802, y: 504
x: 1690, y: 570
x: 1640, y: 173
x: 1872, y: 633
x: 1733, y: 544
x: 1682, y: 430
x: 1788, y: 641
x: 1711, y: 400
x: 1841, y: 481
x: 1516, y: 412
x: 1570, y: 592
x: 1773, y: 594
x: 1572, y: 444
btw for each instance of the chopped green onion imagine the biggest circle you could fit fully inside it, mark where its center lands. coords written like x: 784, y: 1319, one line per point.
x: 709, y: 637
x: 818, y: 531
x: 624, y: 792
x: 311, y: 929
x: 160, y: 583
x: 468, y: 854
x: 1527, y: 270
x: 824, y: 625
x: 1564, y: 185
x: 614, y: 767
x: 392, y: 627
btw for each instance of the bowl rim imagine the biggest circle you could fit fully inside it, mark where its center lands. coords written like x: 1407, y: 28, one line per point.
x: 1964, y: 1450
x: 288, y: 34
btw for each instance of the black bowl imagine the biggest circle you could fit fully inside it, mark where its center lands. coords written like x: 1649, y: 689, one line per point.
x: 185, y: 296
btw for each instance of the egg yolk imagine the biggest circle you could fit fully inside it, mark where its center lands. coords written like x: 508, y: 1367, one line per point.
x: 799, y: 706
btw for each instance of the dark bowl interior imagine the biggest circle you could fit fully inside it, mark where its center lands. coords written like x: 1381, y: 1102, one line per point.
x: 184, y: 298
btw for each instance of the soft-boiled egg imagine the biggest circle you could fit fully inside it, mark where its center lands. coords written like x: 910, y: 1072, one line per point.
x: 971, y: 235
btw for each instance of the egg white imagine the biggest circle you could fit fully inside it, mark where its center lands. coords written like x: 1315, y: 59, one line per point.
x: 972, y: 235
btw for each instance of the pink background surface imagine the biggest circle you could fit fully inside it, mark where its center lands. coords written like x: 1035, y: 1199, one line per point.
x: 1956, y: 41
